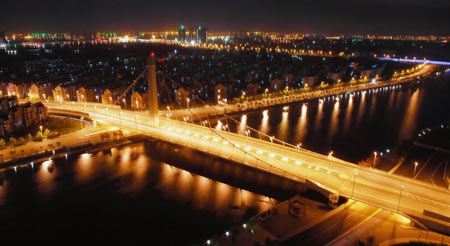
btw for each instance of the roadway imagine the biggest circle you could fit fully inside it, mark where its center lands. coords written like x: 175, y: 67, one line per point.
x: 371, y: 186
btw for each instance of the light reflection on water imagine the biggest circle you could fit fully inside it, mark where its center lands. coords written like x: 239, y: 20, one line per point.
x: 130, y: 176
x: 356, y: 125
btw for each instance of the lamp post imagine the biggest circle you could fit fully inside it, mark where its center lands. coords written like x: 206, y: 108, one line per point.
x: 135, y: 120
x: 415, y: 167
x: 354, y: 181
x: 400, y: 197
x: 374, y: 158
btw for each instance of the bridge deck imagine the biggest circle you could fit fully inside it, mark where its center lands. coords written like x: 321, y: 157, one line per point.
x: 372, y: 186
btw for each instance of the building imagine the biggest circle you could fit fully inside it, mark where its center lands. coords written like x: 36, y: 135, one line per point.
x: 81, y: 95
x: 220, y: 93
x: 252, y: 89
x: 310, y: 81
x: 59, y: 94
x: 107, y: 97
x: 288, y: 78
x: 202, y: 35
x: 181, y: 96
x: 22, y: 90
x: 276, y: 85
x: 137, y: 101
x: 182, y: 34
x: 337, y: 77
x: 71, y: 93
x: 15, y: 116
x: 33, y: 92
x: 192, y: 37
x: 8, y: 102
x: 3, y: 89
x: 12, y: 89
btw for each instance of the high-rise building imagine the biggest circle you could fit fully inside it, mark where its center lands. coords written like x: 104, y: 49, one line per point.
x: 182, y: 34
x: 2, y: 36
x: 202, y: 33
x: 191, y: 35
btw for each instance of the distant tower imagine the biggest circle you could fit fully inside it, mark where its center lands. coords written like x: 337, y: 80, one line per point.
x: 182, y: 34
x: 191, y: 34
x: 201, y: 34
x: 152, y: 90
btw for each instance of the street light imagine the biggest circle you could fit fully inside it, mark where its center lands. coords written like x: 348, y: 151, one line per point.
x: 135, y: 120
x: 415, y: 167
x: 400, y: 197
x: 374, y: 158
x: 354, y: 181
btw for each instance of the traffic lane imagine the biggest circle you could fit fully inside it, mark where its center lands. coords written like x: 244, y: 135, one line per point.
x: 327, y: 230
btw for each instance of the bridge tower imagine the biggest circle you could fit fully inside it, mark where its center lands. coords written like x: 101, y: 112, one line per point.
x: 152, y: 90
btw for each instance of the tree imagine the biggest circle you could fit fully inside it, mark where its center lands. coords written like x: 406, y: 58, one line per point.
x: 12, y: 140
x: 21, y: 140
x: 2, y: 142
x: 29, y: 137
x: 39, y: 135
x: 46, y: 132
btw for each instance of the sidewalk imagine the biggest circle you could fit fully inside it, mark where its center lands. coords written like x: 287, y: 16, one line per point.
x: 90, y: 133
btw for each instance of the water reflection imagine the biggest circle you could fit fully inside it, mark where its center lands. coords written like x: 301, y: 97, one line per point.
x: 334, y: 120
x: 385, y: 116
x: 362, y: 104
x: 126, y: 184
x: 243, y: 124
x: 319, y: 115
x: 409, y: 120
x: 45, y: 178
x: 282, y: 127
x: 302, y: 125
x: 264, y: 126
x: 348, y: 115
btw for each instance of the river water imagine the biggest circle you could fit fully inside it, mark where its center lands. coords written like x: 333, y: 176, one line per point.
x: 169, y: 195
x: 353, y: 127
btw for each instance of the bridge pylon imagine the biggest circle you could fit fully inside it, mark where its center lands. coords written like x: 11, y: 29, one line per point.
x: 152, y: 90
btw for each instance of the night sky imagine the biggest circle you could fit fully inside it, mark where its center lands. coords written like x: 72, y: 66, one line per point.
x: 312, y: 16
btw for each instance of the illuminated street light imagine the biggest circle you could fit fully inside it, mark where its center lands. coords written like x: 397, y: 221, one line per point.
x: 400, y: 197
x: 354, y: 181
x: 415, y: 167
x: 374, y: 158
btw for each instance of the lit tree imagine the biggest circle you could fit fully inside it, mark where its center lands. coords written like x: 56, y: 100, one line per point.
x: 12, y: 140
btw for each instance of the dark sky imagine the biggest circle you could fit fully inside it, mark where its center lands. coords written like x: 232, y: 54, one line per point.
x: 313, y: 16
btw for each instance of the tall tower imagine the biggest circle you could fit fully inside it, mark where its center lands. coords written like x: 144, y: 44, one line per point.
x: 152, y: 90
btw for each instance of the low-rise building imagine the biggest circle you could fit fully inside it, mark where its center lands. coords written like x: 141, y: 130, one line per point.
x: 137, y: 101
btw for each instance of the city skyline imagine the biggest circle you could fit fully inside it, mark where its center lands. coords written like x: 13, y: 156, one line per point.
x: 324, y: 17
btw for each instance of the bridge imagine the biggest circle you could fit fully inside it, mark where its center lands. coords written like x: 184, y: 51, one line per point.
x: 426, y: 204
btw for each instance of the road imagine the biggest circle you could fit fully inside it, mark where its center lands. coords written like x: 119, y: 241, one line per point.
x: 89, y: 133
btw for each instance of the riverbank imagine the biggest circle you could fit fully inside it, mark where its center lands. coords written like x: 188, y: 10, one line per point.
x: 87, y: 139
x: 251, y: 105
